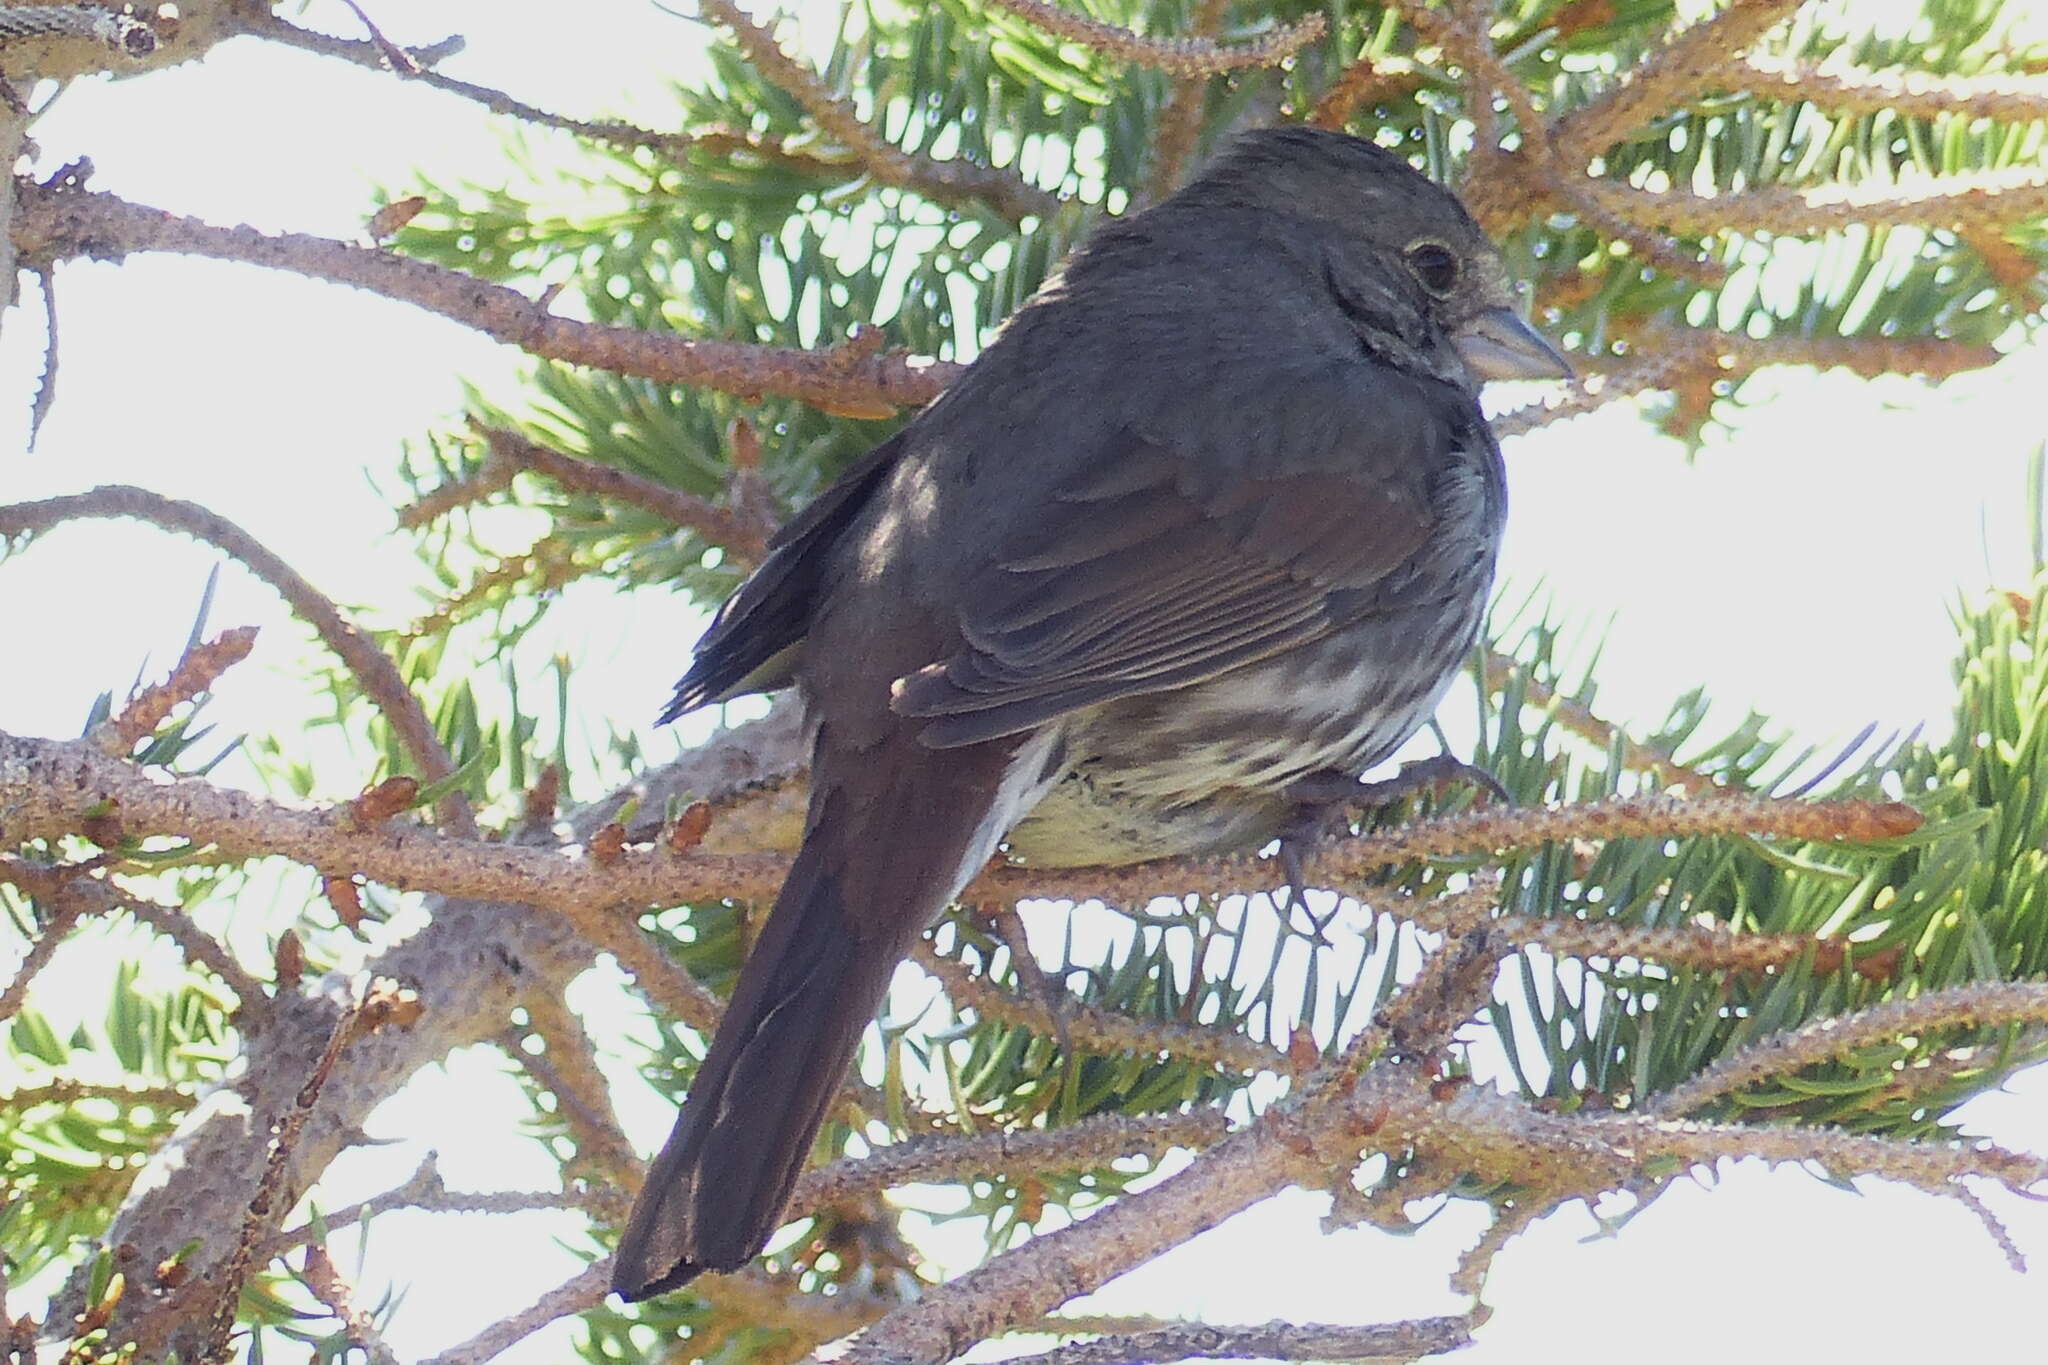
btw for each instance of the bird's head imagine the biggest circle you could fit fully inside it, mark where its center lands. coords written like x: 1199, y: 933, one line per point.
x: 1416, y: 248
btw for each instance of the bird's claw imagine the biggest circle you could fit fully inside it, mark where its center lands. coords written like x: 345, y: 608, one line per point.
x: 1326, y: 799
x: 1436, y: 774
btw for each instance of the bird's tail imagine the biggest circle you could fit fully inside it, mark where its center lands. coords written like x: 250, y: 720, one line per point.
x: 876, y: 867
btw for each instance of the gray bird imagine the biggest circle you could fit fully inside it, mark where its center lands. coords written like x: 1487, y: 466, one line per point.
x: 1213, y: 519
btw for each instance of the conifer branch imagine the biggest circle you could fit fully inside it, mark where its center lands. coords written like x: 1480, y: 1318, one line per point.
x: 1403, y: 1341
x: 1839, y: 84
x: 62, y: 920
x: 62, y: 221
x: 1180, y: 122
x: 372, y: 668
x: 1099, y: 1029
x: 742, y: 531
x: 1986, y: 1004
x: 567, y: 1068
x: 580, y: 1292
x: 425, y: 1192
x: 1081, y: 1145
x: 333, y: 1291
x: 200, y: 949
x: 1692, y: 62
x: 1190, y: 56
x: 1576, y: 717
x: 1983, y: 201
x: 1365, y: 81
x: 417, y: 63
x: 955, y: 182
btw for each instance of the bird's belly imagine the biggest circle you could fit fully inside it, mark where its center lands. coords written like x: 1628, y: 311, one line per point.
x: 1205, y: 769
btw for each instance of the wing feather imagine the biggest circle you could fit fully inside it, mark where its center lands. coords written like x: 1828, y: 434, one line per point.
x: 1150, y: 570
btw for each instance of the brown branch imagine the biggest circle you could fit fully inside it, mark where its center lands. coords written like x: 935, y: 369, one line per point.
x: 483, y: 960
x: 1087, y: 1143
x: 1180, y: 122
x: 60, y: 221
x: 1099, y: 1029
x: 327, y: 1285
x: 395, y: 57
x: 414, y: 63
x: 46, y: 387
x: 1918, y: 94
x: 1454, y: 984
x: 1655, y: 367
x: 1508, y: 1224
x: 1463, y: 36
x: 731, y: 528
x: 547, y: 566
x: 72, y: 1091
x: 49, y: 782
x: 199, y: 948
x: 956, y: 182
x: 382, y: 1004
x: 1293, y: 1141
x: 63, y: 919
x: 1698, y: 945
x: 374, y: 671
x: 1993, y: 1228
x: 1390, y: 1341
x: 582, y: 1291
x: 493, y: 476
x: 1026, y: 1283
x: 1365, y: 81
x: 1685, y: 361
x: 568, y: 1069
x: 1503, y: 189
x: 1693, y: 62
x: 1986, y: 1004
x: 196, y: 672
x: 1579, y: 719
x: 424, y: 1192
x: 680, y: 997
x: 1495, y: 829
x: 1979, y: 201
x: 1474, y: 833
x: 1196, y: 56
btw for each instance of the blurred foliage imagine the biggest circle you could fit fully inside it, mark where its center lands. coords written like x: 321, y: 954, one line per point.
x: 793, y: 243
x: 66, y: 1158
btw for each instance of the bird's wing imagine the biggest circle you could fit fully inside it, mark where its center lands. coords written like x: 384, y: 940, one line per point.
x: 1150, y: 570
x: 751, y: 645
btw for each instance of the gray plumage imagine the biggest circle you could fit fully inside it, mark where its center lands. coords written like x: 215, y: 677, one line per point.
x: 1216, y: 512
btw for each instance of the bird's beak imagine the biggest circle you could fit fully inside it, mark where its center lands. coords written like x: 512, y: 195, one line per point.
x: 1497, y: 344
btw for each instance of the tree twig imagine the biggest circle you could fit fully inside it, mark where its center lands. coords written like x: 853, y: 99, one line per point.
x: 1180, y: 122
x: 325, y: 1280
x: 1191, y: 56
x: 58, y: 221
x: 381, y: 1005
x: 373, y: 669
x: 744, y: 532
x: 1392, y: 1341
x: 586, y: 1289
x: 261, y: 21
x: 1093, y: 1141
x: 947, y: 182
x: 1977, y: 1005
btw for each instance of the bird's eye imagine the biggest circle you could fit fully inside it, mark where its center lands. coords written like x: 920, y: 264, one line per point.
x: 1434, y: 265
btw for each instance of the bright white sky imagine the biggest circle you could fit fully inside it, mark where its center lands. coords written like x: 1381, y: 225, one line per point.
x: 1803, y: 564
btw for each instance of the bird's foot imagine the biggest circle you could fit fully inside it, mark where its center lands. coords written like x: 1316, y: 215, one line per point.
x: 1435, y: 775
x: 1051, y: 992
x: 1324, y: 801
x: 1323, y: 804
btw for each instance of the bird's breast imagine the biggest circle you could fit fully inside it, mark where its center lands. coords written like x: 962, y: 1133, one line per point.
x: 1204, y: 769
